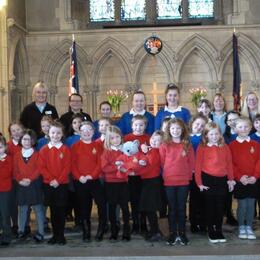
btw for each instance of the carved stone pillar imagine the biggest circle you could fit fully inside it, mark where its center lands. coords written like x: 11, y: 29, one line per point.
x: 117, y: 6
x: 185, y: 11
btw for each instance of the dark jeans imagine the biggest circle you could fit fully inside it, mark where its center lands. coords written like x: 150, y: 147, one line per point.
x: 5, y: 198
x: 177, y: 198
x: 58, y: 220
x: 153, y: 222
x: 85, y: 193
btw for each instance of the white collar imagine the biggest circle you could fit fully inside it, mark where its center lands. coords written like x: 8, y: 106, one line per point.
x: 15, y: 142
x: 211, y: 145
x: 116, y: 148
x: 3, y: 157
x: 102, y: 137
x: 178, y: 109
x: 257, y: 134
x: 58, y: 145
x: 134, y: 113
x: 195, y: 135
x: 241, y: 140
x: 27, y: 152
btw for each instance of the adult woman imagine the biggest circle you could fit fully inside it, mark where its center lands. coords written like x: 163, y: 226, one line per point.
x: 32, y: 114
x: 251, y: 105
x: 172, y: 108
x: 218, y: 115
x: 75, y: 107
x: 138, y: 103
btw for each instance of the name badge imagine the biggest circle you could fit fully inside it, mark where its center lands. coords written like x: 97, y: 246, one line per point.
x: 49, y: 112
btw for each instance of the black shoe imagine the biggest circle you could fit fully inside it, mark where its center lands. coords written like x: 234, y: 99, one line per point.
x: 62, y: 241
x: 173, y: 239
x: 183, y: 239
x: 213, y: 237
x: 86, y: 231
x: 22, y: 236
x: 155, y: 237
x: 38, y: 238
x: 220, y: 237
x: 52, y: 241
x: 4, y: 243
x: 232, y: 221
x: 194, y: 229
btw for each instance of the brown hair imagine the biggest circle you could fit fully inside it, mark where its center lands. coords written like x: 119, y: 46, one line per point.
x: 105, y: 103
x: 32, y: 135
x: 138, y: 92
x: 244, y: 119
x: 185, y: 140
x: 111, y: 130
x: 195, y: 117
x: 58, y: 124
x: 206, y: 101
x: 14, y: 123
x: 221, y: 96
x: 208, y: 127
x: 47, y: 118
x: 139, y: 117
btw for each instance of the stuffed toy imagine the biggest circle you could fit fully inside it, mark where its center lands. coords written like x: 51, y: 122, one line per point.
x: 132, y: 160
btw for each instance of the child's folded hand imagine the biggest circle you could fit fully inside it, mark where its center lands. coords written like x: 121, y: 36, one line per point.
x: 88, y: 177
x: 202, y: 187
x: 231, y: 185
x: 251, y: 180
x: 244, y: 179
x: 54, y: 184
x: 82, y: 179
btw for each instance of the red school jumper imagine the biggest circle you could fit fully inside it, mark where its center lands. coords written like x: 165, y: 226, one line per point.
x: 6, y: 165
x: 213, y: 160
x: 177, y: 164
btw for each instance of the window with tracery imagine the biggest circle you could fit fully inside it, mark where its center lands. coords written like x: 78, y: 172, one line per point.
x: 169, y: 9
x: 132, y: 10
x: 102, y: 10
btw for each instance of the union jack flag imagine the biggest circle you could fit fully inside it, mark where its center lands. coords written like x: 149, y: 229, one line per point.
x: 74, y: 81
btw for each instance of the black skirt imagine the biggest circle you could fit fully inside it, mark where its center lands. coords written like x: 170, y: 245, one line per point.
x: 150, y: 195
x: 217, y: 185
x: 30, y: 195
x: 246, y: 191
x: 55, y: 196
x: 116, y: 193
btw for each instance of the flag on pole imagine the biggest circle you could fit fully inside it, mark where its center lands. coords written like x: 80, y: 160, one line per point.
x: 236, y: 75
x: 74, y: 81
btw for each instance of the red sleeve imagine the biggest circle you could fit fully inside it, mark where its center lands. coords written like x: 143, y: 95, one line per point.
x: 191, y: 158
x: 107, y: 165
x: 66, y: 165
x: 43, y: 162
x: 74, y: 160
x: 162, y: 152
x: 97, y: 170
x: 257, y: 166
x: 198, y: 165
x: 230, y: 173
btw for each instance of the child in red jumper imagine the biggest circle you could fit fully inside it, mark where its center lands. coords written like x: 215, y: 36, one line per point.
x: 150, y: 201
x: 116, y: 188
x: 214, y: 175
x: 5, y: 193
x: 139, y: 124
x: 86, y: 169
x: 177, y: 159
x: 55, y: 166
x: 15, y: 131
x: 246, y: 158
x: 29, y: 185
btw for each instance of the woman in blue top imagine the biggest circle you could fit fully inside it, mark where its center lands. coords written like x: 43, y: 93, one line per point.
x: 172, y: 108
x: 138, y: 103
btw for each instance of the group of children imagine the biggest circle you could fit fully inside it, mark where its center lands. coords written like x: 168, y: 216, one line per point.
x: 178, y: 160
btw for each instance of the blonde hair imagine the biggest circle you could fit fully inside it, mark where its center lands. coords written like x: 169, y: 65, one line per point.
x: 244, y: 119
x: 185, y: 140
x: 39, y: 84
x: 208, y: 127
x: 245, y: 110
x: 111, y: 130
x: 224, y: 100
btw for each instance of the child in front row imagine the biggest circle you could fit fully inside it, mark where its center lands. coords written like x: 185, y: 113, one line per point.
x: 196, y: 203
x: 116, y: 188
x: 55, y: 166
x: 29, y: 185
x: 5, y: 193
x: 214, y: 174
x: 246, y: 158
x: 139, y: 124
x: 150, y: 200
x: 177, y: 160
x: 86, y: 170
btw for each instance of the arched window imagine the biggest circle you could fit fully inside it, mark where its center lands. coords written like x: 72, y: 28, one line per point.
x: 102, y: 10
x: 132, y: 10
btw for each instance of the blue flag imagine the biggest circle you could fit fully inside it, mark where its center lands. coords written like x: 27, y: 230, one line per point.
x: 236, y: 75
x: 74, y: 80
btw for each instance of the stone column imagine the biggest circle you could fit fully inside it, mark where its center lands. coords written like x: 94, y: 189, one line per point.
x: 185, y: 11
x: 4, y: 88
x: 151, y: 13
x: 117, y: 6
